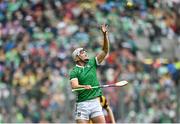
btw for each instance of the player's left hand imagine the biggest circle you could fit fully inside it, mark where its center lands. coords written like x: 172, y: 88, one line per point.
x: 104, y: 28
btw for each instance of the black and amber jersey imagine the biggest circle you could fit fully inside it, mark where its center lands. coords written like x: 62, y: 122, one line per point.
x: 103, y: 102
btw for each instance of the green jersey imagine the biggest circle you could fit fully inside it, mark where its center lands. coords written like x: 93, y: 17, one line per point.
x: 86, y: 75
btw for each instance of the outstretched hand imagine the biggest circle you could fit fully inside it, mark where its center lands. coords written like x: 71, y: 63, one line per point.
x: 104, y: 28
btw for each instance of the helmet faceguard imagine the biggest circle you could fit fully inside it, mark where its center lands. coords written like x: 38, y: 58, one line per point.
x: 76, y: 53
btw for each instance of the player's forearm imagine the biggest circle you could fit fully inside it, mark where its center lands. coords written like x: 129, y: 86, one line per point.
x: 105, y: 47
x: 80, y: 86
x: 75, y: 84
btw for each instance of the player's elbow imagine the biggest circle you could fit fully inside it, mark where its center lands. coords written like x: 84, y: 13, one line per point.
x: 105, y: 52
x: 74, y: 86
x: 74, y: 83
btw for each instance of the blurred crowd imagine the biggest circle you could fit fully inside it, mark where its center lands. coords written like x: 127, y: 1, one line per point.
x: 37, y: 38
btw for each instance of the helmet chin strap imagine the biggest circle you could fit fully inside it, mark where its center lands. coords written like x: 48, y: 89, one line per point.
x: 85, y: 61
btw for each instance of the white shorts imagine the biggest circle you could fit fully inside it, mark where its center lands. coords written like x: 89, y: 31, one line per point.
x: 88, y: 109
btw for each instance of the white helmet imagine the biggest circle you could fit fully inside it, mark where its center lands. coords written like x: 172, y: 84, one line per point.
x: 76, y: 53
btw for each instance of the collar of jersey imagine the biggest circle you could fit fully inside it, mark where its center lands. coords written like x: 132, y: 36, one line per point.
x: 79, y: 66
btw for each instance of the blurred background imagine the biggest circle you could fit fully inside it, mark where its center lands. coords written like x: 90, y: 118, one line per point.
x: 37, y: 38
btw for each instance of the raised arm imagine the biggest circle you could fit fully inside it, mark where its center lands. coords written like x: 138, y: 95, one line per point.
x: 105, y: 48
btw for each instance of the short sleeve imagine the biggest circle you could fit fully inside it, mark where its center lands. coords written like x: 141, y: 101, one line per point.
x: 73, y: 74
x: 93, y: 62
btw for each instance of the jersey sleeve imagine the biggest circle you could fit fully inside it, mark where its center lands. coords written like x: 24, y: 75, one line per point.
x: 73, y: 74
x: 94, y: 62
